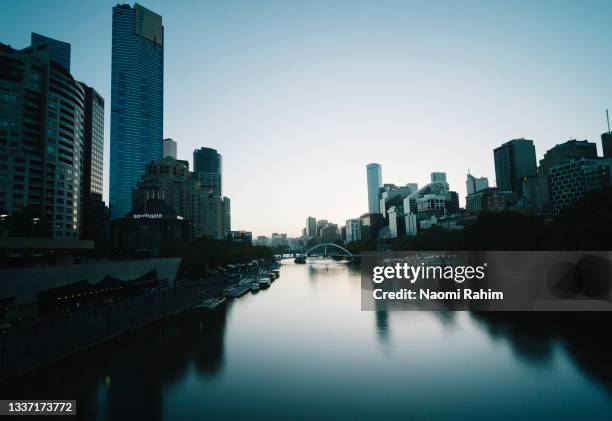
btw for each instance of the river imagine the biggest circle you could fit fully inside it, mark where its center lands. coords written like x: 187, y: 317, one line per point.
x: 303, y: 349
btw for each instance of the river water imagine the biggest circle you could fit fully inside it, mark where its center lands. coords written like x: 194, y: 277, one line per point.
x: 303, y: 349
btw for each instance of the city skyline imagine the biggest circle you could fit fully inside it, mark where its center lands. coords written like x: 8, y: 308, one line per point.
x: 308, y: 92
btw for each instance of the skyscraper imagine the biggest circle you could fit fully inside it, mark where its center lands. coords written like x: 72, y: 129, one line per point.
x: 311, y: 226
x: 169, y: 149
x: 514, y: 160
x: 94, y: 219
x: 227, y: 216
x: 59, y: 51
x: 137, y: 92
x: 207, y: 165
x: 374, y: 174
x: 43, y: 107
x: 207, y: 169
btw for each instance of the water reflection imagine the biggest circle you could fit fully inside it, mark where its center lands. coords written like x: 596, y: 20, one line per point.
x: 303, y: 348
x: 535, y: 336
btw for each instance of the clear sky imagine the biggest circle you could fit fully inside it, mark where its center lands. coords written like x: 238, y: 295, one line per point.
x: 298, y: 96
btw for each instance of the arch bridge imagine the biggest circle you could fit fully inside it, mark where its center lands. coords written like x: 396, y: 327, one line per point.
x: 328, y: 250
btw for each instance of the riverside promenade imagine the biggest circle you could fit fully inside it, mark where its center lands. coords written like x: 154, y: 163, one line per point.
x: 29, y: 345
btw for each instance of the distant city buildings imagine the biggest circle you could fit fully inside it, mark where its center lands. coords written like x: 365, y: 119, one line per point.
x: 374, y: 178
x: 352, y: 230
x: 311, y: 227
x: 241, y: 237
x: 169, y: 148
x: 137, y: 94
x: 475, y: 184
x: 513, y: 161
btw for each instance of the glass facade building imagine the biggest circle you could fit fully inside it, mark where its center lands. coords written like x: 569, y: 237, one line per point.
x: 207, y: 165
x: 137, y: 85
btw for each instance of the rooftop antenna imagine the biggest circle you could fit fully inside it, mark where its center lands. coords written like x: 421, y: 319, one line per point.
x: 608, y: 119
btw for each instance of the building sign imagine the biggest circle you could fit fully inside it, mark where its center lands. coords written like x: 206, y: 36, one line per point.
x: 147, y: 216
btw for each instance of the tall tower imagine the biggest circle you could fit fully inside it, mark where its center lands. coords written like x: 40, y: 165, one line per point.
x: 374, y: 173
x: 137, y: 94
x: 207, y: 166
x: 43, y: 151
x: 514, y: 160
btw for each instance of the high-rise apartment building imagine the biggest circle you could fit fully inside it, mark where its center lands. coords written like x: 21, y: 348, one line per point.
x: 374, y: 175
x: 137, y: 93
x: 514, y: 160
x: 59, y: 51
x: 42, y: 111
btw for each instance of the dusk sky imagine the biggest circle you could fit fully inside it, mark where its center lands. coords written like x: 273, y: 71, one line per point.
x: 298, y: 96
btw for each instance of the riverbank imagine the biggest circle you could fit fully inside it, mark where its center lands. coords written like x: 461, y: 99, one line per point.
x: 29, y: 346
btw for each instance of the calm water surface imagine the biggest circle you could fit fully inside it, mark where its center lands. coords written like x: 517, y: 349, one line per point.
x: 303, y: 349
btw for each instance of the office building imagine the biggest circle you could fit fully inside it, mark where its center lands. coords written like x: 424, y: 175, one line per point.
x: 572, y: 149
x: 95, y: 213
x: 329, y: 233
x: 371, y: 225
x: 489, y: 199
x: 59, y: 51
x: 374, y: 176
x: 241, y: 237
x: 606, y: 144
x: 150, y: 227
x: 227, y: 215
x: 438, y: 177
x: 514, y: 160
x: 278, y: 240
x: 169, y: 148
x: 475, y: 184
x: 42, y: 111
x: 311, y: 227
x: 353, y: 230
x: 537, y: 193
x: 571, y: 180
x: 207, y: 164
x: 137, y: 96
x: 397, y: 221
x: 170, y: 180
x: 391, y: 195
